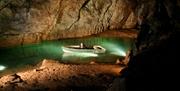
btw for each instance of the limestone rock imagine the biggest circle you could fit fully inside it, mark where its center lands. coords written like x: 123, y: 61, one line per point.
x: 36, y: 20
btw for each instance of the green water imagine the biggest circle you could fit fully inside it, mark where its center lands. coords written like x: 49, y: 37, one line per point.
x: 20, y: 56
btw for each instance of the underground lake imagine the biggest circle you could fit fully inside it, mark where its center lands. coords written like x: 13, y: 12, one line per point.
x: 20, y: 57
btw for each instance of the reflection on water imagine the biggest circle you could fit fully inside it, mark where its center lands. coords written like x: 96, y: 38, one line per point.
x: 19, y: 56
x: 2, y: 67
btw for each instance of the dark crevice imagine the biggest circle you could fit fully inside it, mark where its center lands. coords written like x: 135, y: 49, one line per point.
x: 16, y: 79
x: 6, y: 5
x: 106, y: 12
x: 28, y: 5
x: 79, y: 14
x: 55, y: 19
x: 100, y: 26
x: 22, y: 40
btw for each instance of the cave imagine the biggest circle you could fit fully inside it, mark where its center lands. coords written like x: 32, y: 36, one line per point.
x: 89, y: 45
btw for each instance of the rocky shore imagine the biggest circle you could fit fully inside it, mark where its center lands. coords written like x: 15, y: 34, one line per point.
x: 54, y: 76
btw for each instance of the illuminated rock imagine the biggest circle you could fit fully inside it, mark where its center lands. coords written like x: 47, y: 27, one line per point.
x: 57, y: 76
x: 27, y: 21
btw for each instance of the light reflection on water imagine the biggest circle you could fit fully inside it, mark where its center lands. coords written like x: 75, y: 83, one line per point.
x: 2, y: 67
x: 16, y: 57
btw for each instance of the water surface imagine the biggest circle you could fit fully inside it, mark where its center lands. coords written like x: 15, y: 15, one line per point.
x: 20, y: 56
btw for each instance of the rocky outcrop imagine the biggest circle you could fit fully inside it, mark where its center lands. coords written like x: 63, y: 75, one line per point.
x: 154, y: 65
x: 54, y: 76
x: 27, y: 21
x: 157, y: 19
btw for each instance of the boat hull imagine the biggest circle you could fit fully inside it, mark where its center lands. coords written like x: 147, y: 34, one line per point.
x: 71, y: 50
x: 77, y: 49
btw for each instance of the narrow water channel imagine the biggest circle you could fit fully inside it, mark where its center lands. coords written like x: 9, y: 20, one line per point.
x: 21, y: 56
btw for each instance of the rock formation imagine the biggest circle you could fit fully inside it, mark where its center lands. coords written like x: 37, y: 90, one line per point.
x: 28, y: 21
x: 55, y: 76
x: 153, y: 66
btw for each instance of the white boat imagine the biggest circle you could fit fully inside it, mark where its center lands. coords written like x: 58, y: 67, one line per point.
x: 82, y: 49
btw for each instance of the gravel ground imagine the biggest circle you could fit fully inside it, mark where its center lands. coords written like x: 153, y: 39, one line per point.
x: 54, y: 76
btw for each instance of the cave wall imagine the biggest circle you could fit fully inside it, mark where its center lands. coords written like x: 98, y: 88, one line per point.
x: 154, y: 65
x: 28, y: 21
x: 157, y: 20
